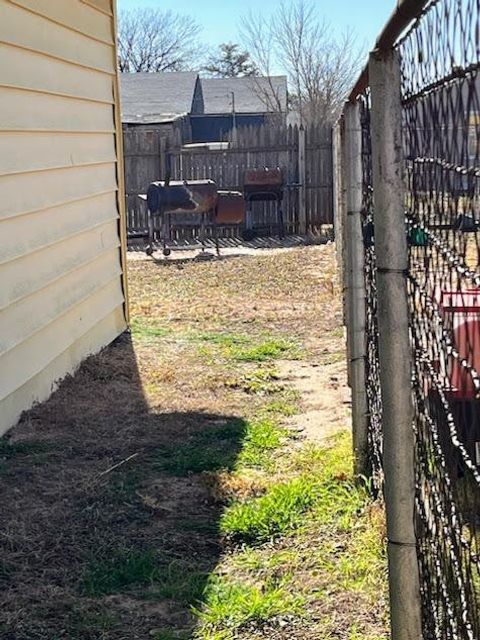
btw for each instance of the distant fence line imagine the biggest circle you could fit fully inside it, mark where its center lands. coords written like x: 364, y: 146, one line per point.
x: 407, y: 159
x: 308, y: 201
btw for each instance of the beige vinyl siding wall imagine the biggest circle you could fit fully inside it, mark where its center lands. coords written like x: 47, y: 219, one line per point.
x: 61, y: 273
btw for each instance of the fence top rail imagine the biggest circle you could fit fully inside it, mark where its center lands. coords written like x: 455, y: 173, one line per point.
x: 405, y: 13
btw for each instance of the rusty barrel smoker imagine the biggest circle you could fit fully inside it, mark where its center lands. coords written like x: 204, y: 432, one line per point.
x: 263, y: 185
x: 165, y: 200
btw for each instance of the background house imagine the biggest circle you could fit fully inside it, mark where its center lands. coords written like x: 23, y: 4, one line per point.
x: 62, y: 293
x: 162, y: 101
x: 195, y: 109
x: 237, y: 102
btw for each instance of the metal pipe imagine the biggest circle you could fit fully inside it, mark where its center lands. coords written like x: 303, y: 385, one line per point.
x: 356, y: 289
x: 394, y: 345
x: 403, y: 15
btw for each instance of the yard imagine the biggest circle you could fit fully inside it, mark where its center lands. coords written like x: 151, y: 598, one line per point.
x: 193, y: 480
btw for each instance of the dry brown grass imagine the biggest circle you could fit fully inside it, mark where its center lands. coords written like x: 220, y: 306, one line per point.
x: 62, y: 516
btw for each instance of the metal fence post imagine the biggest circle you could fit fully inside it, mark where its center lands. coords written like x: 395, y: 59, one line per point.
x: 394, y: 345
x: 356, y: 285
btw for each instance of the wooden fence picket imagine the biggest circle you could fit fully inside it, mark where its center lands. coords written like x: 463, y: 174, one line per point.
x: 148, y: 153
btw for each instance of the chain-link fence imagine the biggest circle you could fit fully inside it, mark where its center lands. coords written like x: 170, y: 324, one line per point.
x: 439, y: 97
x: 372, y: 368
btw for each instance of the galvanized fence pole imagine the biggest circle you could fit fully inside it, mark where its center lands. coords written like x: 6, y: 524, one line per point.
x: 356, y: 285
x: 394, y: 345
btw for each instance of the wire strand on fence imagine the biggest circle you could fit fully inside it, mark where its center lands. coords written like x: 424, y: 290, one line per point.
x: 372, y: 368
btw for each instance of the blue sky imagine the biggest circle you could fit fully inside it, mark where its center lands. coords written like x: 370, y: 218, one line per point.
x: 219, y: 18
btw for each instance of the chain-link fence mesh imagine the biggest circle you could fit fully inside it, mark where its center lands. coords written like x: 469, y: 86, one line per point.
x: 440, y: 56
x: 441, y: 106
x: 372, y: 368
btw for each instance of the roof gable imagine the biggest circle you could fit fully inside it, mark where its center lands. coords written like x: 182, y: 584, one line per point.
x: 156, y: 97
x: 252, y: 94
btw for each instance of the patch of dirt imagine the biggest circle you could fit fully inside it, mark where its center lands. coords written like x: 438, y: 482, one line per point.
x: 325, y: 397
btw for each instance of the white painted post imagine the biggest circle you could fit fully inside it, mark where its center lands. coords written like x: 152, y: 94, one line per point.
x: 394, y: 344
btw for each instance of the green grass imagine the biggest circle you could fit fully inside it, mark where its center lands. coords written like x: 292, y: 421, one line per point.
x: 230, y: 605
x: 271, y: 349
x: 322, y: 489
x: 227, y: 340
x: 228, y: 447
x: 239, y: 348
x: 284, y: 406
x: 11, y: 449
x: 261, y: 439
x: 213, y: 449
x: 314, y: 534
x: 180, y: 582
x: 146, y: 330
x: 277, y: 512
x: 118, y: 571
x: 263, y: 381
x: 124, y: 570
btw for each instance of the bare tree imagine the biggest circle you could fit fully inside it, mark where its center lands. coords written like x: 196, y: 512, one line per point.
x: 155, y: 40
x: 320, y: 67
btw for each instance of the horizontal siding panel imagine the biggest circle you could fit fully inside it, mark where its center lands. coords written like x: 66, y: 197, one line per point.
x: 41, y: 386
x: 75, y: 15
x: 22, y: 68
x: 24, y: 235
x: 33, y: 32
x: 22, y: 111
x: 61, y: 293
x: 17, y: 322
x: 36, y: 352
x: 35, y: 271
x: 102, y: 5
x: 33, y: 191
x: 39, y: 151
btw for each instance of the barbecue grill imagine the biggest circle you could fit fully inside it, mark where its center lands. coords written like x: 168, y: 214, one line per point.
x: 166, y: 200
x: 263, y: 185
x: 231, y: 209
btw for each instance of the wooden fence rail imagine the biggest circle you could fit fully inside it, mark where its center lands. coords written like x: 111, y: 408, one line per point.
x: 304, y: 156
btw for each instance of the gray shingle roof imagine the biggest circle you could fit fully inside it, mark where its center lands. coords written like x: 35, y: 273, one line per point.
x: 156, y: 97
x: 252, y: 95
x: 148, y: 98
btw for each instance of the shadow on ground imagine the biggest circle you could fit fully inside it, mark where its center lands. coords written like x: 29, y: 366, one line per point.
x: 105, y: 530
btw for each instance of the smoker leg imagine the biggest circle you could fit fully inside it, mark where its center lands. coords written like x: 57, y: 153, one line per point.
x: 215, y: 235
x: 281, y: 228
x: 202, y: 231
x: 248, y: 232
x: 149, y: 247
x: 165, y: 233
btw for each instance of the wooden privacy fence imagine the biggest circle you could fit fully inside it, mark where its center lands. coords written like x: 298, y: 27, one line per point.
x: 304, y: 155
